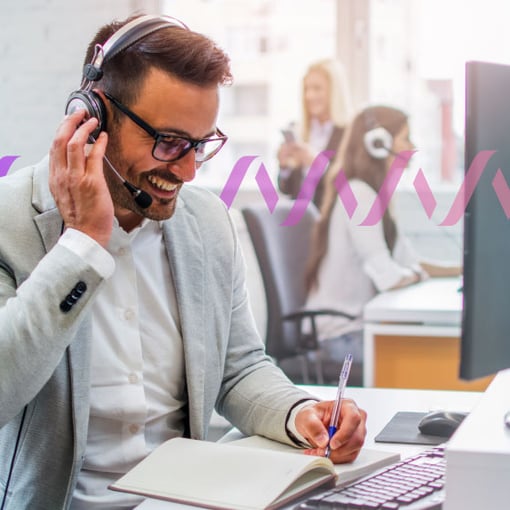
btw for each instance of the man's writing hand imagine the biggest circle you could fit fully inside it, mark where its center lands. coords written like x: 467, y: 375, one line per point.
x: 312, y: 423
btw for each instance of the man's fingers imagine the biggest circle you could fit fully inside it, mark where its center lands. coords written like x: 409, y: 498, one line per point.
x: 350, y: 419
x: 98, y: 150
x: 77, y: 143
x: 316, y: 433
x: 66, y: 129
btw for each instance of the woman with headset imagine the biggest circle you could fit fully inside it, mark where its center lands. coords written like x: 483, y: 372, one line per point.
x: 350, y: 263
x: 326, y: 112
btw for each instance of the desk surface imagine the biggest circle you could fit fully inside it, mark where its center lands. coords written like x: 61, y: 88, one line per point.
x: 436, y: 301
x: 381, y: 404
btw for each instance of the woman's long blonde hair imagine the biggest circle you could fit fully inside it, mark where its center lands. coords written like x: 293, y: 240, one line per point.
x: 339, y: 94
x: 354, y: 159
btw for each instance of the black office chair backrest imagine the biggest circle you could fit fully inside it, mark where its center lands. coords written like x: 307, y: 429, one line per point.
x: 282, y: 252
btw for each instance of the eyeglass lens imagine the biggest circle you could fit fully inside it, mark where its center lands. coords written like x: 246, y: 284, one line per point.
x: 170, y: 148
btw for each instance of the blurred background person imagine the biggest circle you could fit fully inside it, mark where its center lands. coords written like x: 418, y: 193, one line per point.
x: 326, y: 110
x: 349, y: 264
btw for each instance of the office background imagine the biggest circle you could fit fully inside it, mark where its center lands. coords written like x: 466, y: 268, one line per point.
x: 407, y: 53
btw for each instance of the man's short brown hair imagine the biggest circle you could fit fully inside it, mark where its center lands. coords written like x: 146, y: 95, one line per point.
x: 188, y: 55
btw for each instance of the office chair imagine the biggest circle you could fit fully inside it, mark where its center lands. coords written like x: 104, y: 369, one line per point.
x: 282, y: 253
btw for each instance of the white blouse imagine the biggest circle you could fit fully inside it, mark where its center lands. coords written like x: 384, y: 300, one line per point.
x: 320, y: 134
x: 357, y: 265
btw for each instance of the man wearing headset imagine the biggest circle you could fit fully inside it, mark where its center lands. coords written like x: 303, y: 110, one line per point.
x: 123, y: 310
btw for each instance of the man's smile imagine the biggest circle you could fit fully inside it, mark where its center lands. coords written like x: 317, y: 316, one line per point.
x: 161, y: 183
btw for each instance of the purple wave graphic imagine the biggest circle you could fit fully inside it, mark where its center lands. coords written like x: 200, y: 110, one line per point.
x: 236, y: 177
x: 305, y: 195
x: 502, y: 192
x: 424, y: 193
x: 5, y: 164
x: 388, y: 187
x: 266, y: 187
x: 382, y: 200
x: 345, y: 193
x: 467, y: 188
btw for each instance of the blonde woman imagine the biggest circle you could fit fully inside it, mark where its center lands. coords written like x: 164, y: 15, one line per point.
x: 326, y: 112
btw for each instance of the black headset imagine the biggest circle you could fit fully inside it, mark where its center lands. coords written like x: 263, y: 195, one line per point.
x: 378, y: 140
x: 129, y: 34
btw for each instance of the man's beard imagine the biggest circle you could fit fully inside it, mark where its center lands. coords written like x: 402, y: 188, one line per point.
x: 121, y: 196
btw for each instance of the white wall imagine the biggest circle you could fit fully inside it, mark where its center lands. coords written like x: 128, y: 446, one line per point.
x: 42, y: 45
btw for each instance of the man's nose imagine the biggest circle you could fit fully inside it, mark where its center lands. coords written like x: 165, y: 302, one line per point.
x: 184, y: 168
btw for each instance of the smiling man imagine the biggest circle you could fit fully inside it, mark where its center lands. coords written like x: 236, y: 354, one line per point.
x: 124, y: 316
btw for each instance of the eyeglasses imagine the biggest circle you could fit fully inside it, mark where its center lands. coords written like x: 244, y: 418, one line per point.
x: 171, y: 147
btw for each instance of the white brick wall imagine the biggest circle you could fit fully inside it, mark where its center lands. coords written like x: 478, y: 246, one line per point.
x: 42, y: 45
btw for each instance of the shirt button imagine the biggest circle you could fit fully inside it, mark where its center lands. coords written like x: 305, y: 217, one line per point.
x: 134, y: 428
x: 129, y: 314
x: 133, y: 378
x: 121, y: 252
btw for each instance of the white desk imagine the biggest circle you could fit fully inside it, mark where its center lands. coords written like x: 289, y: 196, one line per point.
x: 380, y: 404
x: 434, y: 302
x: 412, y: 337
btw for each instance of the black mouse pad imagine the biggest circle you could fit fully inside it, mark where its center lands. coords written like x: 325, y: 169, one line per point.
x: 403, y: 428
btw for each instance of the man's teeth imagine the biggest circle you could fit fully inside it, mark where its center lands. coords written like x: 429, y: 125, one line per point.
x: 161, y: 183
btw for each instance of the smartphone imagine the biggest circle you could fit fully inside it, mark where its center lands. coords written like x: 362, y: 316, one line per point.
x: 288, y: 135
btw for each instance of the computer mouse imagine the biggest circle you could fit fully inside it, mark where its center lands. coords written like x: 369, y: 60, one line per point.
x: 440, y: 423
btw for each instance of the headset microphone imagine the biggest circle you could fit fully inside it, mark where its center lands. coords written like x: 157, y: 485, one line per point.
x: 142, y: 198
x: 379, y: 146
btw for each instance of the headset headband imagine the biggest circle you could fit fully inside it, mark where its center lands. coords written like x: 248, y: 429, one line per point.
x: 130, y: 33
x: 126, y: 36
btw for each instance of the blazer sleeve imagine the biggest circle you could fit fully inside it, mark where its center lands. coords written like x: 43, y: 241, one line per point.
x: 255, y: 396
x: 36, y: 328
x: 45, y: 290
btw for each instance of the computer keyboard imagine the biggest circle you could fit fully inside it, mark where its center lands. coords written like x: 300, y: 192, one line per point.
x: 415, y: 483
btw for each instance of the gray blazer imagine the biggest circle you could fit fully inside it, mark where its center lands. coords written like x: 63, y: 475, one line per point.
x: 44, y: 351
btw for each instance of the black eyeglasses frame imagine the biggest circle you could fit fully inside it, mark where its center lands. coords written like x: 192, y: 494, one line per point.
x: 158, y: 136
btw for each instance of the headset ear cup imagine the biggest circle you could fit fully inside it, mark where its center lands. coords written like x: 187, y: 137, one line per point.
x: 92, y: 103
x: 378, y: 142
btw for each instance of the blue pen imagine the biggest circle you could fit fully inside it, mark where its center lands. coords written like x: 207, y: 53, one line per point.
x: 342, y: 382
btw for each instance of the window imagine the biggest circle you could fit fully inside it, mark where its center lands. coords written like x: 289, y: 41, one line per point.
x: 270, y: 45
x: 405, y: 53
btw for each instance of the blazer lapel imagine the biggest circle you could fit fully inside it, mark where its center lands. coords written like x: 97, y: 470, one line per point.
x: 186, y: 255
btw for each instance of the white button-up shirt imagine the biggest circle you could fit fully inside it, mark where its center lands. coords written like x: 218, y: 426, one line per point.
x: 138, y: 389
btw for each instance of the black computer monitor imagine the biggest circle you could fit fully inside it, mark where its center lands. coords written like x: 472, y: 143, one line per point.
x: 485, y: 345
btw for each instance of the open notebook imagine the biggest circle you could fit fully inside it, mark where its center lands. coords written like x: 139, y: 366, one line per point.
x: 250, y: 474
